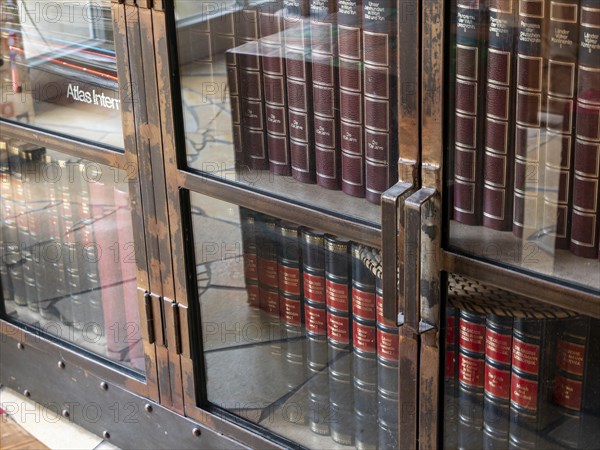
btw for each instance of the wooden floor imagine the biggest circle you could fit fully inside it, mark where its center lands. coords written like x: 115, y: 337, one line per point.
x: 13, y: 437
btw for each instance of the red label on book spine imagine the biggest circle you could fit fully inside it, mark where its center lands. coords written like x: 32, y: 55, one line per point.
x: 526, y: 357
x: 497, y: 381
x: 498, y: 346
x: 387, y: 345
x: 338, y: 328
x: 450, y: 330
x: 472, y: 336
x: 364, y: 337
x: 337, y: 295
x: 523, y: 392
x: 290, y: 311
x: 379, y: 308
x: 570, y: 357
x: 314, y: 288
x: 450, y: 364
x: 253, y: 295
x: 315, y: 319
x: 568, y: 392
x: 268, y: 272
x: 251, y: 266
x: 471, y: 370
x: 289, y: 279
x: 363, y: 304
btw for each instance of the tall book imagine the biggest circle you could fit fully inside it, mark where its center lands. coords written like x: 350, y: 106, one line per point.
x: 388, y: 397
x: 250, y: 255
x: 231, y: 64
x: 496, y: 395
x: 499, y: 115
x: 298, y: 89
x: 563, y: 46
x: 379, y: 22
x: 268, y: 278
x: 315, y: 322
x: 471, y: 37
x: 530, y: 135
x: 577, y: 384
x: 471, y: 369
x: 450, y: 377
x: 585, y: 217
x: 274, y: 76
x: 350, y: 53
x: 533, y: 366
x: 339, y: 338
x: 6, y: 235
x: 323, y: 33
x: 364, y: 343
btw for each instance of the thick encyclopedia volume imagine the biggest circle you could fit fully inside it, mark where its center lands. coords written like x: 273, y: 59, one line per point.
x: 585, y: 218
x: 450, y: 377
x: 351, y: 96
x: 250, y: 255
x: 471, y: 36
x: 234, y: 101
x: 563, y: 45
x: 530, y: 134
x: 380, y: 105
x: 499, y: 115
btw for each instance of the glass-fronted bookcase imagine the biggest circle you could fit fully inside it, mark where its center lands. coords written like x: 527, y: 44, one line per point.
x: 304, y: 224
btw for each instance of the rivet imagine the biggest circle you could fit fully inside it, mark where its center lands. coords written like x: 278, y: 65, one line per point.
x: 65, y: 413
x: 196, y: 432
x: 106, y: 435
x: 104, y: 386
x: 26, y: 393
x: 61, y: 364
x: 20, y: 346
x: 148, y: 407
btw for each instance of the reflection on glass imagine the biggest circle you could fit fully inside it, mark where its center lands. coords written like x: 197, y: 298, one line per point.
x: 525, y: 135
x: 293, y: 334
x: 519, y: 374
x: 67, y: 264
x: 58, y: 68
x: 280, y: 96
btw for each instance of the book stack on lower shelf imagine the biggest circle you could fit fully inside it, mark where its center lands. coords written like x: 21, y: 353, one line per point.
x: 333, y: 341
x: 519, y: 374
x: 527, y: 120
x: 68, y: 262
x: 312, y: 104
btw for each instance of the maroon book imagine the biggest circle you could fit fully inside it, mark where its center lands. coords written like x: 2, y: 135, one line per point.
x: 234, y: 100
x: 585, y: 219
x: 380, y: 103
x: 530, y: 131
x: 560, y: 108
x: 323, y: 30
x: 351, y: 97
x: 471, y: 37
x: 499, y: 116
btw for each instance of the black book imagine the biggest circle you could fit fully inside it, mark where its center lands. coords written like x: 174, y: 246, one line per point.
x: 250, y: 255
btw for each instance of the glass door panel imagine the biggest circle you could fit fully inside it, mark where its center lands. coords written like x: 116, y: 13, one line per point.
x: 281, y: 98
x: 68, y: 264
x: 292, y: 330
x: 524, y: 135
x: 518, y: 374
x: 58, y: 68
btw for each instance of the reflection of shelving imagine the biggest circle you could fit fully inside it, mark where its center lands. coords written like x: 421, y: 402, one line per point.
x: 504, y: 247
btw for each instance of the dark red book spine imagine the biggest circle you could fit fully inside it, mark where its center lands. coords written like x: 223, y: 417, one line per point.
x: 234, y: 100
x: 471, y: 370
x: 563, y: 46
x: 450, y: 378
x: 380, y: 103
x: 533, y: 367
x: 585, y: 217
x: 496, y: 396
x: 499, y: 120
x: 323, y: 31
x: 388, y: 356
x: 364, y: 342
x: 351, y: 97
x: 529, y: 133
x: 274, y: 76
x: 471, y: 37
x: 299, y: 96
x: 268, y: 277
x: 315, y: 322
x: 250, y: 255
x: 339, y: 338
